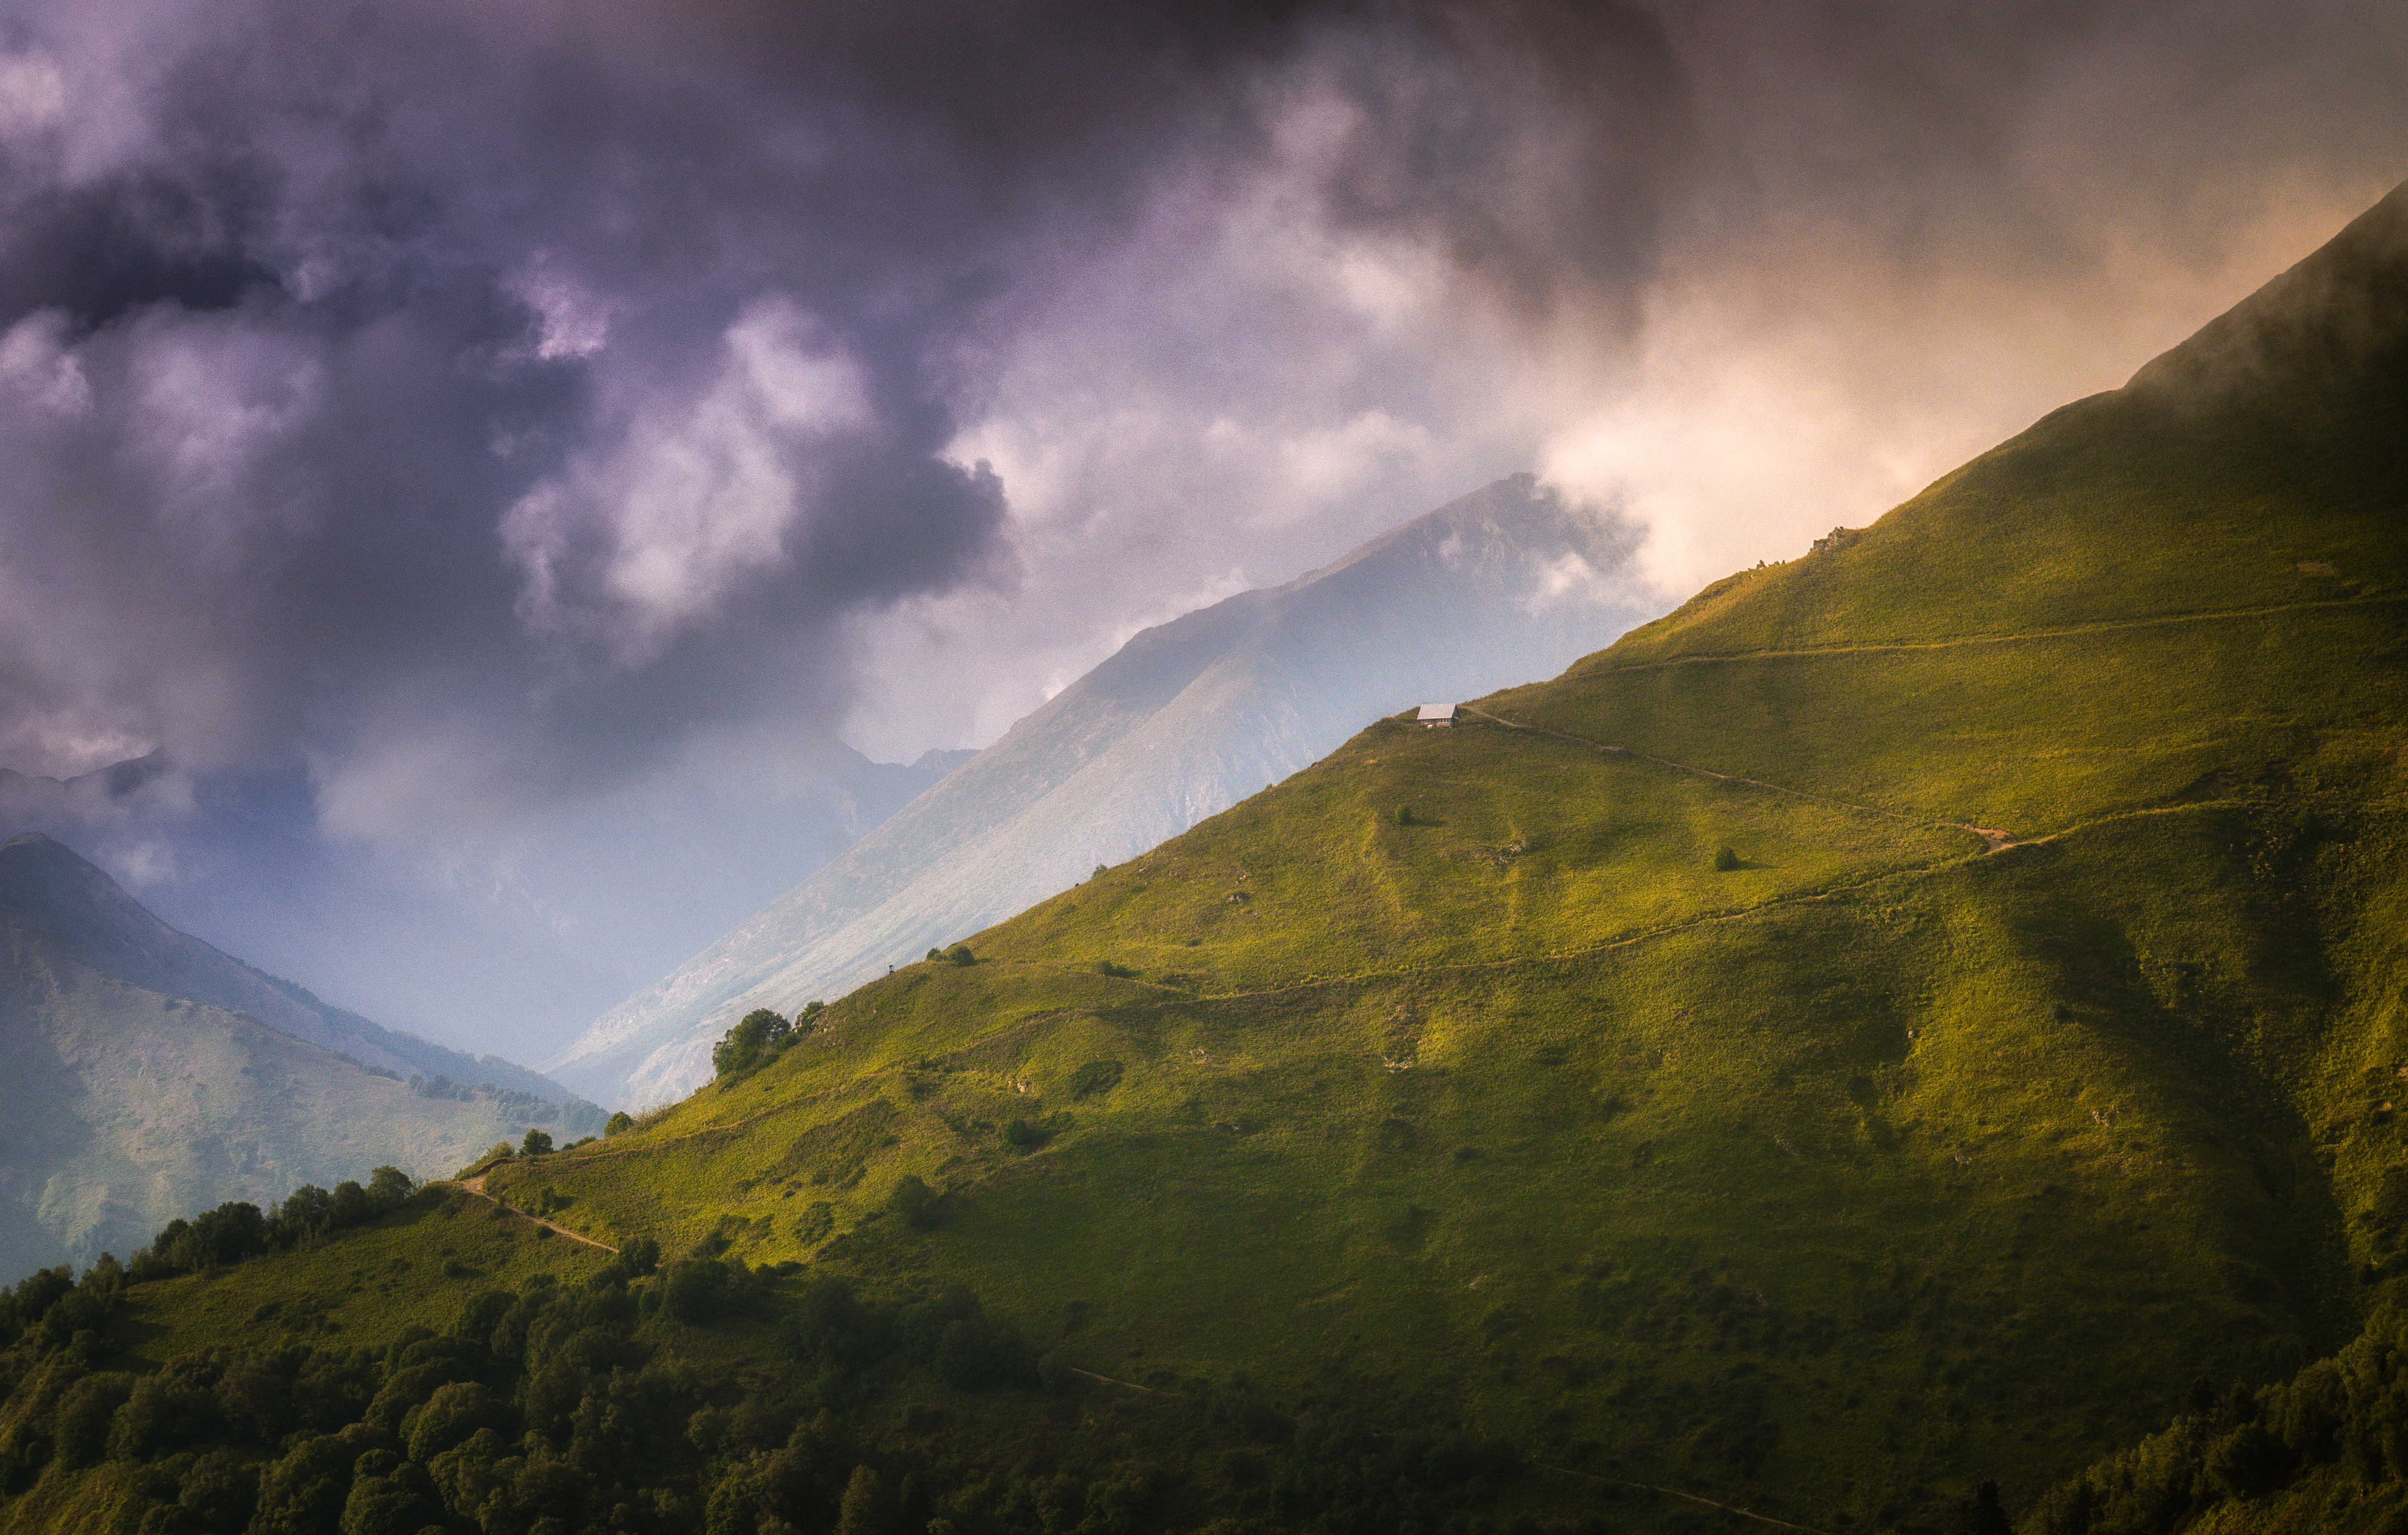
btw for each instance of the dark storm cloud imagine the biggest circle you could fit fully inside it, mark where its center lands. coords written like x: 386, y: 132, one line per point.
x: 95, y: 252
x: 561, y: 372
x: 484, y: 400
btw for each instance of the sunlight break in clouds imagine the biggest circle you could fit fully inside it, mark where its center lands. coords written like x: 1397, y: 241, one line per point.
x: 699, y: 498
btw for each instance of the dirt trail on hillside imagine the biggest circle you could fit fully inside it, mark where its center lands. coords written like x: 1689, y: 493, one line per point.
x: 2211, y: 615
x: 1993, y: 839
x: 1739, y: 914
x: 1675, y: 1492
x: 1111, y: 1380
x: 1611, y: 749
x: 475, y: 1184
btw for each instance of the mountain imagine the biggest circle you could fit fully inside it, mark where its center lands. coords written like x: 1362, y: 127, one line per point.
x: 1184, y: 721
x: 1856, y: 1052
x: 47, y: 885
x: 517, y: 939
x: 152, y: 1076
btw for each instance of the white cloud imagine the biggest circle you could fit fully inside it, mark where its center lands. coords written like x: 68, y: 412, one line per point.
x: 698, y: 497
x: 33, y: 93
x: 1803, y: 377
x: 576, y: 322
x: 37, y: 364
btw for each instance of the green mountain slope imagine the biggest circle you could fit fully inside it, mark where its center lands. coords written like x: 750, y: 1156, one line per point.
x: 1182, y: 722
x: 1893, y: 1024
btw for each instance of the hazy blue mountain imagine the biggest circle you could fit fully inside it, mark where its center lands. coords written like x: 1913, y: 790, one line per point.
x: 512, y: 943
x: 1186, y: 719
x: 49, y: 885
x: 150, y: 1075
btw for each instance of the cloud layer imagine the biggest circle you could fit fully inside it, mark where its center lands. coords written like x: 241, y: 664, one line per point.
x: 506, y: 394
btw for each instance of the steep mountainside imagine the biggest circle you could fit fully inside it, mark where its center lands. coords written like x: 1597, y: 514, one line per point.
x: 152, y: 1076
x: 1183, y: 722
x: 46, y: 883
x: 1890, y: 1027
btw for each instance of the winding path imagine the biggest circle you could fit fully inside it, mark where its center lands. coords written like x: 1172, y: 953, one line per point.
x: 1993, y: 839
x: 1675, y: 1492
x: 2205, y: 615
x: 475, y: 1183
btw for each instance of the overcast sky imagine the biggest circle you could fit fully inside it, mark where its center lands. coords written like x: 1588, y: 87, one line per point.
x: 488, y: 407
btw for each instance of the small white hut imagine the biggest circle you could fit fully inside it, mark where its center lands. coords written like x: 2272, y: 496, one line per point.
x: 1435, y: 716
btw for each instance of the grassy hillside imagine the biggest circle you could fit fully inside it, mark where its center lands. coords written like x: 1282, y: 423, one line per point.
x: 1178, y: 723
x: 1895, y: 1024
x: 1810, y: 1182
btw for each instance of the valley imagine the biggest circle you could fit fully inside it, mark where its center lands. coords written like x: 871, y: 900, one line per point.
x: 157, y: 1077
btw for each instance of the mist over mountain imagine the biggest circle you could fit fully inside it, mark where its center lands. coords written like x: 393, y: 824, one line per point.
x: 1186, y: 719
x: 511, y: 943
x: 152, y: 1076
x: 47, y: 885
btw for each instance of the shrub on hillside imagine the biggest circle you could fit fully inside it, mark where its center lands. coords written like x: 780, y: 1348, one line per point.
x: 915, y: 1201
x: 755, y: 1038
x: 537, y: 1143
x: 640, y: 1257
x: 166, y: 1412
x: 700, y: 1291
x: 79, y: 1427
x: 968, y: 1350
x: 450, y: 1415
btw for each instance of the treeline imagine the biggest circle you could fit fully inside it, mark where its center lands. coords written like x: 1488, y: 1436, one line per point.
x: 52, y: 1305
x: 575, y: 1116
x: 237, y: 1229
x: 2341, y: 1421
x: 554, y: 1410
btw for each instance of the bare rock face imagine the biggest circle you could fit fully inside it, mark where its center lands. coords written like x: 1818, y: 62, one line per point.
x: 1186, y: 719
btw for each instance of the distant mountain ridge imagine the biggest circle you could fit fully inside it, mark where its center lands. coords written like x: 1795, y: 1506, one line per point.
x: 151, y: 1076
x: 1185, y: 720
x: 47, y: 883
